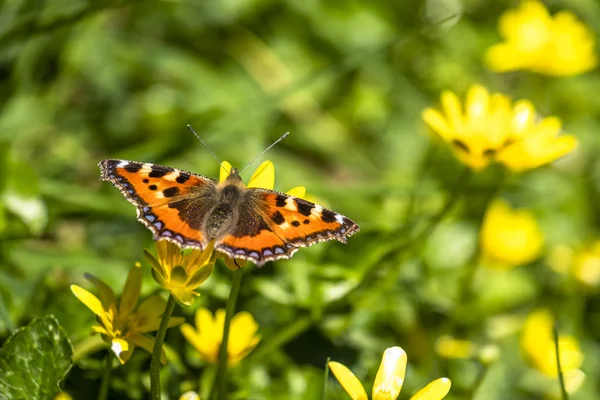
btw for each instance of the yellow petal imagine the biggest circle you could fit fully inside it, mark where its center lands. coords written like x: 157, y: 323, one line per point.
x: 90, y: 302
x: 298, y: 191
x: 390, y: 376
x: 242, y: 337
x: 205, y: 323
x: 208, y: 349
x: 436, y: 121
x: 477, y: 107
x: 184, y: 297
x: 263, y: 177
x: 436, y: 390
x: 122, y: 349
x: 199, y: 276
x: 106, y: 294
x: 198, y: 258
x: 348, y: 380
x: 452, y: 108
x: 537, y: 331
x: 224, y: 171
x: 158, y: 271
x: 234, y: 264
x: 131, y: 291
x: 573, y: 380
x: 452, y: 348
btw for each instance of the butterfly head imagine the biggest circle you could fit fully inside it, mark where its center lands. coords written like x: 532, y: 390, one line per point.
x: 234, y: 175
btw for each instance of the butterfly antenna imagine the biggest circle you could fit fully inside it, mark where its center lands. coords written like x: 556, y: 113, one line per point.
x: 205, y: 145
x: 265, y: 150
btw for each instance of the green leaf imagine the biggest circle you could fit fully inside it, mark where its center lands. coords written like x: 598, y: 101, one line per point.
x: 34, y: 360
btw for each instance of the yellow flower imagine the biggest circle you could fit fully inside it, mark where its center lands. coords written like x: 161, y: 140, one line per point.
x: 207, y: 336
x: 63, y: 396
x: 389, y: 379
x: 491, y: 129
x: 541, y: 144
x: 538, y: 344
x: 190, y: 395
x: 181, y: 273
x: 583, y: 264
x: 558, y: 45
x: 123, y: 322
x: 452, y: 348
x: 263, y: 177
x: 510, y: 237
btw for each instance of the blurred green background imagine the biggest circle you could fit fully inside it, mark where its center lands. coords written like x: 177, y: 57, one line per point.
x: 86, y: 80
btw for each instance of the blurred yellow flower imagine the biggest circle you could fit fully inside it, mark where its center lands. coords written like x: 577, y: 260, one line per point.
x: 207, y: 336
x: 122, y: 322
x: 538, y: 344
x: 63, y: 396
x: 538, y: 145
x: 452, y: 348
x: 491, y: 128
x: 558, y: 45
x: 263, y: 177
x: 583, y: 264
x: 181, y: 273
x: 190, y: 395
x: 389, y: 379
x: 510, y: 237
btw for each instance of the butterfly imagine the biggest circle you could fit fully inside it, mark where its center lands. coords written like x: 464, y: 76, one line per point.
x: 252, y: 224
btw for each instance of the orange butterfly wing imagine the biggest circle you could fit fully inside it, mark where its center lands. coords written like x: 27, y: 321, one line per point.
x: 281, y: 224
x: 170, y: 202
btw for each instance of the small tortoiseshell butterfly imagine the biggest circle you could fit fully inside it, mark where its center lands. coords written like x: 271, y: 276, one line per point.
x: 253, y: 224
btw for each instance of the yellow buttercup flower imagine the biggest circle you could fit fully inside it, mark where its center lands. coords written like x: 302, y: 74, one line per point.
x: 538, y: 344
x: 510, y: 237
x: 181, y: 273
x: 263, y: 177
x: 389, y: 379
x: 190, y: 395
x: 558, y: 45
x: 207, y: 336
x: 123, y: 322
x: 490, y: 128
x: 583, y: 263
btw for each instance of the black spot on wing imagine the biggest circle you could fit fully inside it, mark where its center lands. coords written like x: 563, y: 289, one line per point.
x: 182, y: 178
x: 328, y: 216
x: 152, y: 187
x: 280, y: 200
x: 304, y: 207
x: 296, y: 223
x: 278, y: 218
x: 133, y: 167
x: 170, y: 192
x: 158, y: 171
x: 145, y: 180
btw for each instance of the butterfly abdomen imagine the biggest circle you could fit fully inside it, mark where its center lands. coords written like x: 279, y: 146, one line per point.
x: 223, y: 216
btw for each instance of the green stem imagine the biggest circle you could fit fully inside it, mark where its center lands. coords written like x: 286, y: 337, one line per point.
x: 106, y: 377
x: 325, y: 379
x: 561, y: 378
x: 223, y: 356
x: 157, y: 351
